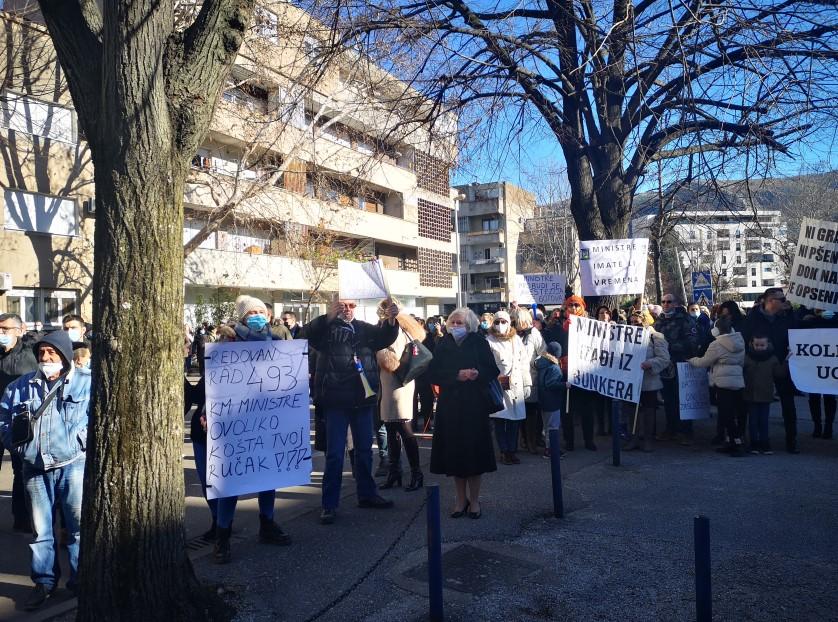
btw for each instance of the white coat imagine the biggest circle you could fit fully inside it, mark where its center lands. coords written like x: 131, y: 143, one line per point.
x: 512, y: 360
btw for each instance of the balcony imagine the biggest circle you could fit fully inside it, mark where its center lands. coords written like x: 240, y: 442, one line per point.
x: 486, y: 295
x: 486, y: 266
x: 484, y: 237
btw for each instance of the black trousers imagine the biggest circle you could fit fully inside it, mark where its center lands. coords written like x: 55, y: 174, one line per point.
x: 732, y: 411
x: 582, y: 406
x: 786, y: 391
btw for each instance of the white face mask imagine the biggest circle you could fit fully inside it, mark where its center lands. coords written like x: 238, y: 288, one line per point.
x: 50, y: 369
x: 75, y: 335
x: 458, y: 332
x: 714, y: 331
x: 502, y: 329
x: 695, y: 314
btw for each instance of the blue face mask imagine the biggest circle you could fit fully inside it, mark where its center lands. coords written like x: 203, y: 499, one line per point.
x: 5, y: 341
x: 256, y: 322
x: 431, y: 326
x: 828, y: 315
x: 484, y: 325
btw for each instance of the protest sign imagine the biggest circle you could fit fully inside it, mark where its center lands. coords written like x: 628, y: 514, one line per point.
x: 693, y: 392
x: 813, y: 360
x: 702, y: 288
x: 611, y: 267
x: 257, y: 416
x: 606, y: 357
x: 546, y: 289
x: 358, y: 281
x: 814, y: 275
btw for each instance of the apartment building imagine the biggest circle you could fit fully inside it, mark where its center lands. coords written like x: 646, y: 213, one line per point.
x: 739, y: 245
x: 491, y: 218
x: 312, y: 156
x: 46, y: 231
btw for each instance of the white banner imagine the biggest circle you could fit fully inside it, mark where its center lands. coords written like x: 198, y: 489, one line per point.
x: 693, y: 392
x: 359, y: 281
x: 814, y: 275
x: 258, y: 432
x: 611, y: 267
x: 605, y: 357
x: 545, y: 289
x: 813, y: 360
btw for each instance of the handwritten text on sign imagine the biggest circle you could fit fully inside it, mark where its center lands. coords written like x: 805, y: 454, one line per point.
x: 814, y: 276
x: 257, y: 416
x: 612, y: 267
x: 813, y: 363
x: 693, y: 392
x: 605, y: 357
x: 546, y: 289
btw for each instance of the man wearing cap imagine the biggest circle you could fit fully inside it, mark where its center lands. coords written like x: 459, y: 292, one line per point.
x: 16, y: 359
x: 56, y: 399
x: 345, y: 387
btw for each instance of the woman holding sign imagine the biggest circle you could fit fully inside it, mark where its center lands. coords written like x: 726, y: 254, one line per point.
x: 462, y: 367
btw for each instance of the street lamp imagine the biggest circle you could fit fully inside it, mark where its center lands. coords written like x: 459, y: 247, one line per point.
x: 460, y: 196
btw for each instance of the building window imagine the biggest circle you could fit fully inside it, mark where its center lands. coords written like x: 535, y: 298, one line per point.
x: 31, y: 116
x: 738, y: 246
x: 753, y: 283
x: 490, y: 224
x: 739, y: 259
x: 753, y: 271
x: 463, y: 282
x: 462, y: 221
x: 265, y: 24
x: 768, y: 282
x: 487, y: 253
x: 25, y: 211
x: 724, y: 259
x: 692, y: 234
x: 42, y: 305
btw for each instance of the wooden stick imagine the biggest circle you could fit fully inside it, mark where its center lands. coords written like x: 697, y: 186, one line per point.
x: 634, y: 426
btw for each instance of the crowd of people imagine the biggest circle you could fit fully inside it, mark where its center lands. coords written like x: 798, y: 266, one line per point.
x: 494, y: 387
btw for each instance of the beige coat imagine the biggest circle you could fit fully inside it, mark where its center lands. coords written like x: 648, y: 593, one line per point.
x: 512, y: 360
x: 395, y: 401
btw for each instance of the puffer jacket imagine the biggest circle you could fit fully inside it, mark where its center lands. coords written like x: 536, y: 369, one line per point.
x: 657, y: 354
x: 535, y: 346
x: 726, y: 358
x: 681, y: 333
x: 511, y: 358
x: 337, y: 382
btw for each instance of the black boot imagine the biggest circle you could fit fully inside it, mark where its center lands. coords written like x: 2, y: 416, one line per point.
x: 817, y: 432
x: 271, y: 533
x: 394, y: 476
x: 383, y: 467
x: 827, y: 430
x: 417, y: 481
x: 221, y: 550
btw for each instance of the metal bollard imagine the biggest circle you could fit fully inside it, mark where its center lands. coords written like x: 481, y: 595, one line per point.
x: 556, y: 471
x: 436, y: 613
x: 703, y: 593
x: 615, y: 431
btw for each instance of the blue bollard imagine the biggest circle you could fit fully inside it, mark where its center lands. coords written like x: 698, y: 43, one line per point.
x: 556, y: 471
x: 436, y: 613
x: 615, y: 431
x: 703, y: 593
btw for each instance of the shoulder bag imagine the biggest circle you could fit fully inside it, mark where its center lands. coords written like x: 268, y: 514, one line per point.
x: 23, y: 423
x: 415, y: 360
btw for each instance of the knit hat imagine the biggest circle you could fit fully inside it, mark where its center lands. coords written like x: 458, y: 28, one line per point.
x: 555, y: 348
x: 245, y: 304
x: 502, y: 315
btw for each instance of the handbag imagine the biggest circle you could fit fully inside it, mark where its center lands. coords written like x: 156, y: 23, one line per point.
x: 415, y: 360
x: 23, y: 423
x: 494, y: 395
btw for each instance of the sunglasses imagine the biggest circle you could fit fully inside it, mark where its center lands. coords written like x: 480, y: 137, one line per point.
x: 501, y: 322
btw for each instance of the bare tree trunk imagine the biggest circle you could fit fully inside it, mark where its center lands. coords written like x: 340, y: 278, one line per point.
x: 656, y: 263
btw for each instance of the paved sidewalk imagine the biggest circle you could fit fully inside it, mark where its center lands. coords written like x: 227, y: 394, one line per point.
x: 623, y: 552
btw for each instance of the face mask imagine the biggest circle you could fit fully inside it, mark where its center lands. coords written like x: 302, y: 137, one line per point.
x: 484, y: 325
x: 502, y: 328
x: 50, y: 369
x: 431, y: 326
x: 5, y: 341
x: 714, y: 331
x: 695, y: 314
x: 458, y: 332
x: 75, y: 335
x: 256, y: 322
x: 828, y: 315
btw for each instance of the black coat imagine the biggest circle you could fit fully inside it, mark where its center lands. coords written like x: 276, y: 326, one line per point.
x: 16, y: 362
x: 337, y: 382
x: 776, y: 328
x: 681, y: 334
x: 462, y: 444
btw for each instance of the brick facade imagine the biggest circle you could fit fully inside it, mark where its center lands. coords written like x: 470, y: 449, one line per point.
x: 431, y: 173
x: 434, y: 221
x: 435, y: 268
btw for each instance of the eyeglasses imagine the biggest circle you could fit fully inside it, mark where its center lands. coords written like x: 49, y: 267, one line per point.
x: 5, y: 330
x: 348, y: 305
x: 667, y: 302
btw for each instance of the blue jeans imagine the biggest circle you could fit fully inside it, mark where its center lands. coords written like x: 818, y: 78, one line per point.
x: 758, y: 425
x: 506, y: 433
x: 552, y: 420
x: 337, y: 422
x: 60, y: 487
x: 200, y: 451
x: 226, y: 508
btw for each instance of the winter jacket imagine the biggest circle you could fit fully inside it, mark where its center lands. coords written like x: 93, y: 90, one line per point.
x: 760, y: 373
x: 725, y: 357
x: 396, y: 402
x: 657, y: 354
x: 551, y: 386
x: 511, y: 358
x: 16, y: 362
x: 337, y: 382
x: 680, y: 332
x: 535, y: 346
x: 775, y: 327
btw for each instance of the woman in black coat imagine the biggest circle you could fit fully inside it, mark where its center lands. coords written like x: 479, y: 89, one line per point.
x: 462, y: 447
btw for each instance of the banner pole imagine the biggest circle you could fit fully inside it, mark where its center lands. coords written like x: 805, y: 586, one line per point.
x: 634, y: 425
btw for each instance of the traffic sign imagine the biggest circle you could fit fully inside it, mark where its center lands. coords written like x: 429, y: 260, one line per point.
x: 702, y: 288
